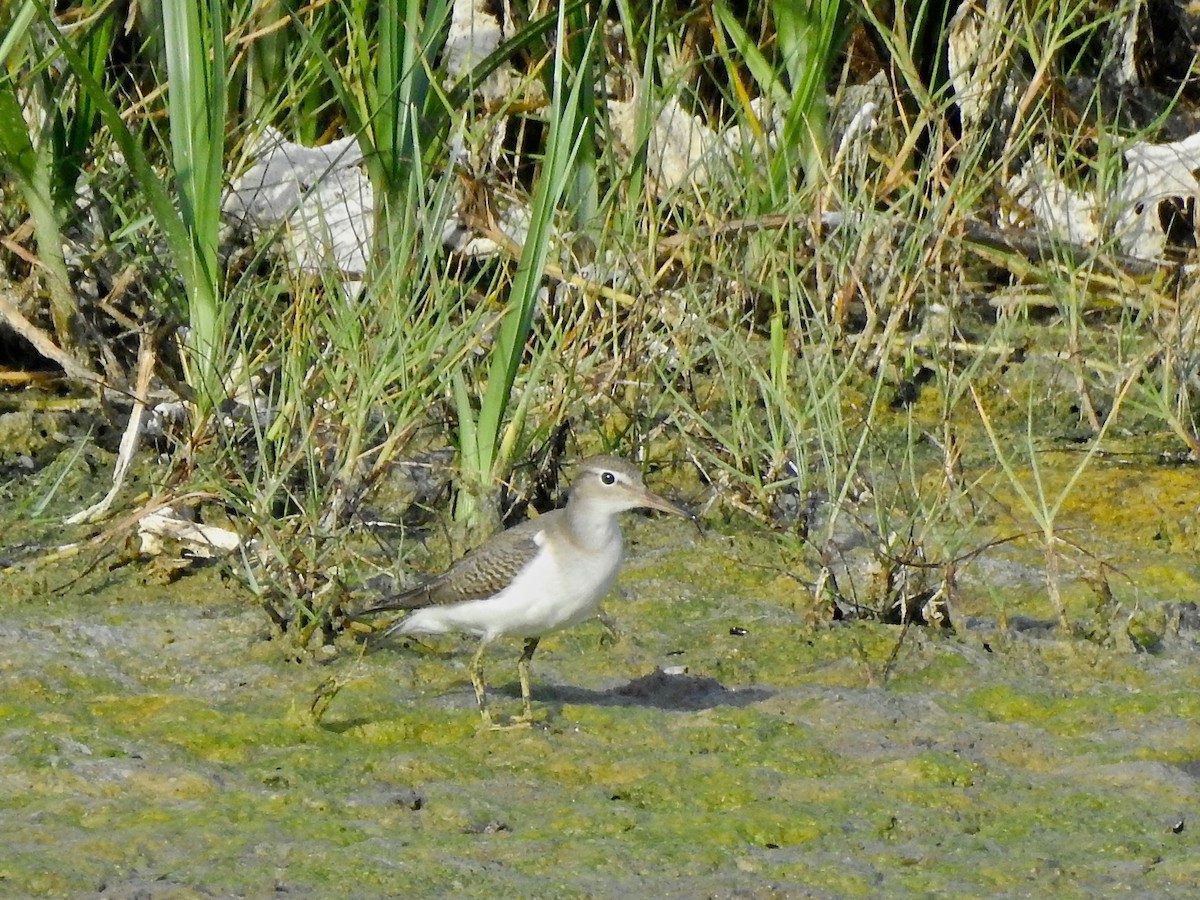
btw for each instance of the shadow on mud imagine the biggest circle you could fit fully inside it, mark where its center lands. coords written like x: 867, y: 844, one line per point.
x: 659, y: 689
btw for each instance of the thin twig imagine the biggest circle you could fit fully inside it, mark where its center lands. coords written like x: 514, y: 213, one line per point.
x: 133, y: 431
x: 42, y: 343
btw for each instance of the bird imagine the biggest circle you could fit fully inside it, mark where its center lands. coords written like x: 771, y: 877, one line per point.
x: 543, y: 575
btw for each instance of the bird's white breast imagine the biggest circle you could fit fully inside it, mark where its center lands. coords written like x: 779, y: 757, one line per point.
x: 562, y: 585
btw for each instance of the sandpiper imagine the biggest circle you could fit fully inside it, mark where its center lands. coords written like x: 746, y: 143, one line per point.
x: 538, y: 577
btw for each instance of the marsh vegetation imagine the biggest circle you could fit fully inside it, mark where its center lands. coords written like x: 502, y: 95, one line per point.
x: 299, y: 301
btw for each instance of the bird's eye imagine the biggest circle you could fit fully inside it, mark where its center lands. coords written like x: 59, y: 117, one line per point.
x: 608, y: 478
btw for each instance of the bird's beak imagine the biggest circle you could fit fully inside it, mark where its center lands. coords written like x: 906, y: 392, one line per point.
x: 653, y: 501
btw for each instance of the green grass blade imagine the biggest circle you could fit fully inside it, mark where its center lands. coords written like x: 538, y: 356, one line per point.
x: 569, y: 109
x: 194, y: 40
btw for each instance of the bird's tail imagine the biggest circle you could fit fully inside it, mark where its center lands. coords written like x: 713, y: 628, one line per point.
x: 413, y: 598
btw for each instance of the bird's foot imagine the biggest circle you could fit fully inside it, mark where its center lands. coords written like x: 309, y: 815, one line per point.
x: 612, y: 633
x: 525, y: 720
x: 512, y: 724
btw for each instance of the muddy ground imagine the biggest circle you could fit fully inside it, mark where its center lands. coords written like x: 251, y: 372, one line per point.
x: 156, y: 740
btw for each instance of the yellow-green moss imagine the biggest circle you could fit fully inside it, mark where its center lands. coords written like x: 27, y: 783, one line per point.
x: 154, y: 737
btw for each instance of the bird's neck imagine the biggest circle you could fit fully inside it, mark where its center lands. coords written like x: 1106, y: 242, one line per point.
x: 591, y: 528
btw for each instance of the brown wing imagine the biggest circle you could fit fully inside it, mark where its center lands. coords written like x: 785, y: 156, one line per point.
x: 481, y: 573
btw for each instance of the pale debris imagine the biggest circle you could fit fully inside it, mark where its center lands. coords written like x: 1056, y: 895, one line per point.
x: 477, y: 29
x: 1158, y: 178
x: 475, y: 33
x: 862, y: 123
x: 1158, y: 181
x: 681, y: 149
x: 1061, y: 212
x: 1126, y: 30
x: 684, y: 151
x: 770, y: 119
x: 320, y: 194
x: 206, y: 541
x: 979, y: 59
x: 1156, y: 175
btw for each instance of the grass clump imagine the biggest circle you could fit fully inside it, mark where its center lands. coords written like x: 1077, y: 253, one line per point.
x: 814, y: 256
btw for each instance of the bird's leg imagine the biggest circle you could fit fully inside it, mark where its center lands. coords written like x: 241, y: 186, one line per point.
x: 612, y: 633
x: 526, y: 718
x: 523, y: 673
x: 476, y: 673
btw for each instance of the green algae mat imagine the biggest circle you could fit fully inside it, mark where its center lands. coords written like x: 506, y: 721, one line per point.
x: 157, y: 741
